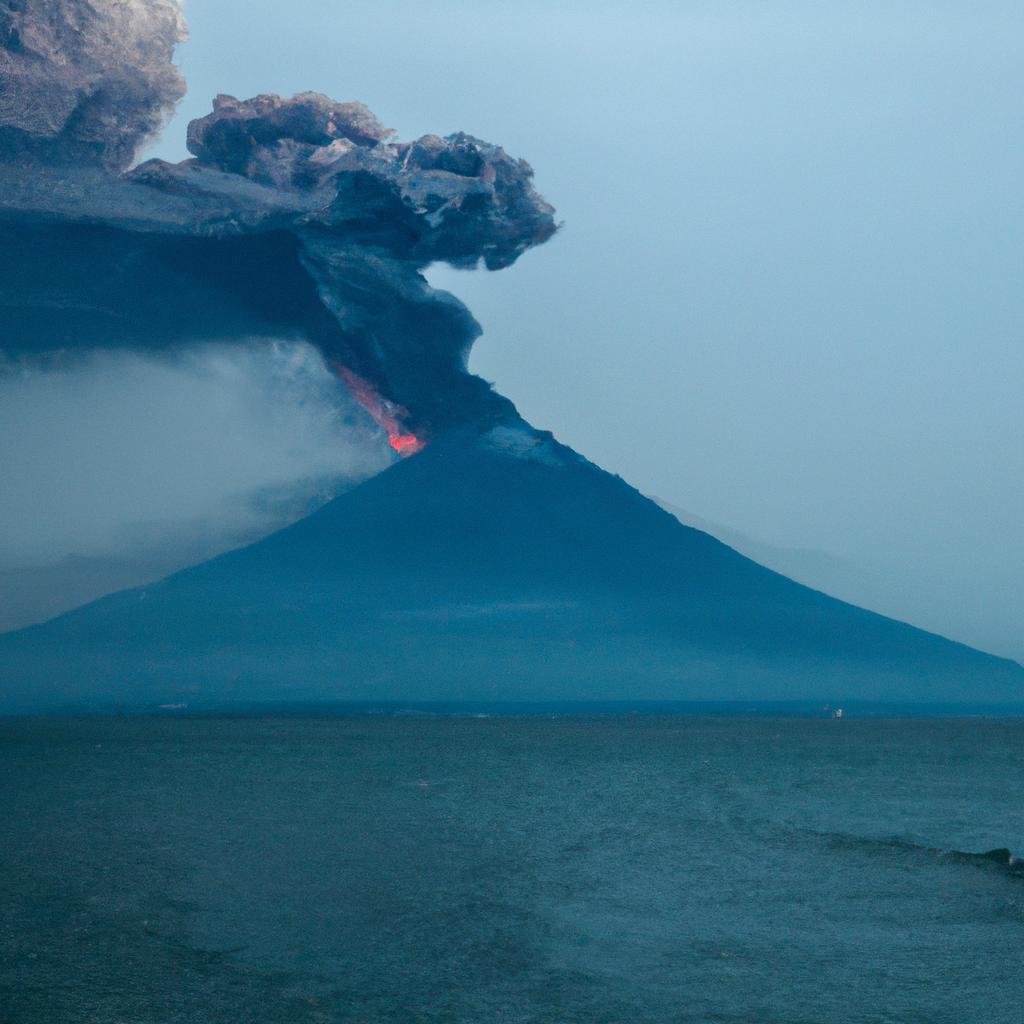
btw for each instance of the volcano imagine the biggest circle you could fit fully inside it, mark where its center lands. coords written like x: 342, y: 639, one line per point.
x: 488, y: 567
x: 490, y: 563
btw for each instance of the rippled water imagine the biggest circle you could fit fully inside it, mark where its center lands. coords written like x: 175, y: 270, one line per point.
x: 615, y: 869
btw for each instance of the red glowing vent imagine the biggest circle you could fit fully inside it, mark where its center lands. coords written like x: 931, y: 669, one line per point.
x: 386, y: 414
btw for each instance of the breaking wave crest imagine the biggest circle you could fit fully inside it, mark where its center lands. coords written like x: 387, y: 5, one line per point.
x: 1000, y: 857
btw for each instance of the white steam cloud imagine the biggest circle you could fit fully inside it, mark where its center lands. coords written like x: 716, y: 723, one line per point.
x: 119, y: 468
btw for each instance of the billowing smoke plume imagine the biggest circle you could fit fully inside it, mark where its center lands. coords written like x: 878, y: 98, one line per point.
x: 86, y: 81
x: 297, y: 218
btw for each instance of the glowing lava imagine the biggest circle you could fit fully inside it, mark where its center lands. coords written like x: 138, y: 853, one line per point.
x: 387, y: 415
x: 405, y: 444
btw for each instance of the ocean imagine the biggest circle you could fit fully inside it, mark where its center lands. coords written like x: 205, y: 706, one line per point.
x: 548, y: 869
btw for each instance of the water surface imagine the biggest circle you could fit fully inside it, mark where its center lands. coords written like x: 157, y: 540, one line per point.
x: 509, y: 869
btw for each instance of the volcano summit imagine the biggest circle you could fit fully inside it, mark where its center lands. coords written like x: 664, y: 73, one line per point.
x: 491, y: 563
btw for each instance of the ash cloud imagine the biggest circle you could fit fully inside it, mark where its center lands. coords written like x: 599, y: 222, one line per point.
x: 297, y: 218
x: 86, y: 81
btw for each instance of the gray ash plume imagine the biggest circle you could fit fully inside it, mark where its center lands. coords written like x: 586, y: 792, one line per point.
x: 299, y: 218
x: 86, y: 81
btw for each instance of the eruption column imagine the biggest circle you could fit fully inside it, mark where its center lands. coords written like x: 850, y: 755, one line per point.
x: 298, y: 217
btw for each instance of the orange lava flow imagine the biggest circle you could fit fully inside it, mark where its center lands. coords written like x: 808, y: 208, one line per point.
x: 386, y: 415
x: 405, y: 444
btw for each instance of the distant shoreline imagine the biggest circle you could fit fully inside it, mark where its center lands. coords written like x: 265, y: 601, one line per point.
x: 851, y: 709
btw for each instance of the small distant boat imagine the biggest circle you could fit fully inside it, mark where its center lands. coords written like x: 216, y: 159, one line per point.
x: 172, y: 707
x: 838, y: 713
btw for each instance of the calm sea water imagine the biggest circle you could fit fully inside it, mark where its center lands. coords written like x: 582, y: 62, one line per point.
x: 605, y: 869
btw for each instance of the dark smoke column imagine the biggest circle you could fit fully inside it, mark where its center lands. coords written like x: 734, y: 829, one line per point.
x: 296, y: 217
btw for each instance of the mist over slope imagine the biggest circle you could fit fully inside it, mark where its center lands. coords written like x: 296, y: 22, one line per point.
x: 121, y: 468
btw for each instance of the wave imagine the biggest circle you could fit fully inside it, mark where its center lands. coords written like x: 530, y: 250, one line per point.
x: 1001, y: 858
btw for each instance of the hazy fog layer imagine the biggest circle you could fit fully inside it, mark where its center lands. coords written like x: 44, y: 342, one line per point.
x: 119, y: 468
x: 788, y: 296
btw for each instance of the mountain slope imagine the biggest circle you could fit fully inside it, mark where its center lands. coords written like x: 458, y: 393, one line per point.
x: 494, y: 567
